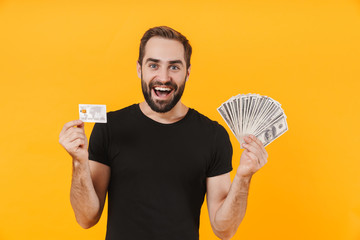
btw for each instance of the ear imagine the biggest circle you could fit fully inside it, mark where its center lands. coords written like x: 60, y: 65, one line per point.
x: 138, y: 68
x: 188, y: 73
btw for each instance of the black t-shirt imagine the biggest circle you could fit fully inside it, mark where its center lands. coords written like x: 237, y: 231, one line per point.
x: 158, y: 172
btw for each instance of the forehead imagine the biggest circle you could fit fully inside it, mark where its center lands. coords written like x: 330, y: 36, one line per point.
x: 164, y: 49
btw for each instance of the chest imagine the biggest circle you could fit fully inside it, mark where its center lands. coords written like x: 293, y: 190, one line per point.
x: 181, y: 155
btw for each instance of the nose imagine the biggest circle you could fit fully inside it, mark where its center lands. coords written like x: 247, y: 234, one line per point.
x: 164, y: 75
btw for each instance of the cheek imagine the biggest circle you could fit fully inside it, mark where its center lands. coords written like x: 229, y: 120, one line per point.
x: 145, y: 79
x: 148, y: 74
x: 179, y: 77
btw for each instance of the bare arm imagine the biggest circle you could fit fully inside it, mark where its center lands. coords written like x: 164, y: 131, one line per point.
x: 230, y: 202
x: 227, y: 202
x: 88, y: 191
x: 90, y: 179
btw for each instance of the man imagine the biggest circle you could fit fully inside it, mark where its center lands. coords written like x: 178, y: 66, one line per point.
x: 157, y: 159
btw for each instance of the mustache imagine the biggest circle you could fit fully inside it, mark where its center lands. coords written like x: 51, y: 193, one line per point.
x: 158, y: 83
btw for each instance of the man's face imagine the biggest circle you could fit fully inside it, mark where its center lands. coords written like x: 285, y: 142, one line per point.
x: 163, y: 73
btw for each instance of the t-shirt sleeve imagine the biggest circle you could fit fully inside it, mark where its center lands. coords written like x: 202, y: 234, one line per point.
x: 221, y: 161
x: 98, y: 144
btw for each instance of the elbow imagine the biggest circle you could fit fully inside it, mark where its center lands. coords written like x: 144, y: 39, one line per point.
x: 87, y: 217
x: 87, y: 223
x: 84, y: 226
x: 224, y: 231
x: 225, y: 235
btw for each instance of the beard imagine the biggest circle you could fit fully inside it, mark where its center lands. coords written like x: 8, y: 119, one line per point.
x: 162, y: 106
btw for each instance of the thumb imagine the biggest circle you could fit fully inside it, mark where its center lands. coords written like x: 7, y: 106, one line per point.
x: 80, y: 124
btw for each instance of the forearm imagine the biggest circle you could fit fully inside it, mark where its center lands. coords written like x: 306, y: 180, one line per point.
x: 83, y: 197
x: 232, y: 211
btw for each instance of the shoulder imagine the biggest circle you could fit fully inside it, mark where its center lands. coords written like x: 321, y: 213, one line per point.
x: 117, y: 118
x: 207, y: 123
x: 122, y: 112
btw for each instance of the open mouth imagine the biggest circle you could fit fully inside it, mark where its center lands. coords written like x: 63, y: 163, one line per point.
x: 162, y: 92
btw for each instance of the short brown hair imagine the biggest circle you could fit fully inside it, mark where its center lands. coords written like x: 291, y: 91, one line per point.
x: 167, y: 33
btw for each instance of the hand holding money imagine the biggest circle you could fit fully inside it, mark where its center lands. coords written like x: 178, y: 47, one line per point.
x: 253, y: 157
x: 73, y: 139
x: 254, y: 114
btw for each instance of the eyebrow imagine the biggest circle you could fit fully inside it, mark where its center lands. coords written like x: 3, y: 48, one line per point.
x: 158, y: 60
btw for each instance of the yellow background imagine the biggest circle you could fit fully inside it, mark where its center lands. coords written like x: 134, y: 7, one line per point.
x: 304, y: 54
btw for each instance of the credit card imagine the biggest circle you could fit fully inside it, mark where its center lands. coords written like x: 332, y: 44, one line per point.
x: 92, y: 113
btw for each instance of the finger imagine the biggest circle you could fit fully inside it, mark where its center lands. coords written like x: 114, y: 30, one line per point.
x: 261, y: 148
x: 74, y: 130
x: 255, y: 139
x: 74, y: 147
x: 70, y: 125
x: 67, y: 142
x: 75, y: 135
x: 251, y: 139
x: 81, y: 125
x: 246, y: 140
x: 78, y: 142
x: 74, y: 144
x: 253, y: 157
x: 69, y: 132
x: 261, y: 145
x: 262, y: 161
x: 254, y: 148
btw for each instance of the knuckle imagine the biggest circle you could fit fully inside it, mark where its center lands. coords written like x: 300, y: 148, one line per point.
x: 80, y: 131
x: 253, y: 157
x: 75, y: 135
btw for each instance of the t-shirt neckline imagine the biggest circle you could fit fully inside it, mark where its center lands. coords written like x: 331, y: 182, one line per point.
x: 152, y: 121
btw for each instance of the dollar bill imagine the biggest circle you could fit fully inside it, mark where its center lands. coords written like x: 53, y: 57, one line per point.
x: 274, y: 131
x: 254, y: 114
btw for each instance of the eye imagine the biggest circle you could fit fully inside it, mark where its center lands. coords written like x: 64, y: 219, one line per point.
x: 174, y: 67
x: 153, y: 65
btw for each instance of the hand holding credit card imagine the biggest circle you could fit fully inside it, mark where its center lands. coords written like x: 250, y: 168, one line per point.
x: 92, y: 113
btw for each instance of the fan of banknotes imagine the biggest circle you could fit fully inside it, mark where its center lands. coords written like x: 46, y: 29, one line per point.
x: 254, y: 114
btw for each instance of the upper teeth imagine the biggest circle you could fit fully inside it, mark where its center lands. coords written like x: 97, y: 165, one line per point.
x: 162, y: 89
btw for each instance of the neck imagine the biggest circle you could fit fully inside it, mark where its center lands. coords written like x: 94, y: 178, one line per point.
x: 175, y: 114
